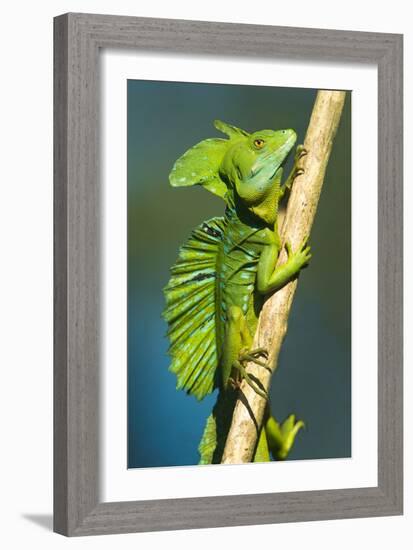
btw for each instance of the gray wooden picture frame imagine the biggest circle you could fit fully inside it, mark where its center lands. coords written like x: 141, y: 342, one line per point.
x: 78, y: 40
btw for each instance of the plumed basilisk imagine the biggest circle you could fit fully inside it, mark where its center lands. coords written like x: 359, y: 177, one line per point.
x: 223, y: 274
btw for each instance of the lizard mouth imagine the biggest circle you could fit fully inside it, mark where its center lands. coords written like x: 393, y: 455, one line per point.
x: 279, y: 168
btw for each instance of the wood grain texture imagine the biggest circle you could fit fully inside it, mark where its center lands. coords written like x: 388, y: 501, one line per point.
x: 60, y: 451
x: 77, y: 271
x: 273, y: 320
x: 390, y: 273
x: 78, y: 40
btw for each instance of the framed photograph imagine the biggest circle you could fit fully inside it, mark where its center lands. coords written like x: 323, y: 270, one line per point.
x: 228, y: 274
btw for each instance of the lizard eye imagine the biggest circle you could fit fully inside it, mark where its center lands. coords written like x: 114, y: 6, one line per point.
x: 259, y: 143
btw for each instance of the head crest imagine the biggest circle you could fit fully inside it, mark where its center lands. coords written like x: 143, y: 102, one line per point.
x: 200, y: 164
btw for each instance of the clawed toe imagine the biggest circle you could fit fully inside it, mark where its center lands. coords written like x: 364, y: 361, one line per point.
x: 235, y: 384
x: 258, y: 352
x: 253, y: 357
x: 301, y: 152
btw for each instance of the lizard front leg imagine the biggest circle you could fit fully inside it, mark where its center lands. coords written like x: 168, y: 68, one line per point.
x: 296, y: 171
x: 269, y: 276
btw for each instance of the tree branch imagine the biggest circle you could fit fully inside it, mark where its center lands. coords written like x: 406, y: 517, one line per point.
x: 273, y: 320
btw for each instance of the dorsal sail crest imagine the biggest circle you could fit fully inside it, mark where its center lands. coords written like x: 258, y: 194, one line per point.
x: 191, y: 310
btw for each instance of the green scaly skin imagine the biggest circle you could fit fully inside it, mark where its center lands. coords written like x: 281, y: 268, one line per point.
x: 224, y: 273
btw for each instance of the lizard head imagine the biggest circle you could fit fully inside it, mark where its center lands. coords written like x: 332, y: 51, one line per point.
x: 252, y: 166
x: 245, y: 170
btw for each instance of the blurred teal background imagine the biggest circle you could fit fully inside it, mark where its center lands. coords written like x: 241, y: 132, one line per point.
x: 314, y: 376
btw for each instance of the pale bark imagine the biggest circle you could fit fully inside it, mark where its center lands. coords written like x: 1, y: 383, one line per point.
x: 273, y: 320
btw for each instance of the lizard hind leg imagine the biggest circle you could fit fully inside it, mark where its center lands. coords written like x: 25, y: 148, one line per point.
x: 236, y: 352
x: 245, y: 376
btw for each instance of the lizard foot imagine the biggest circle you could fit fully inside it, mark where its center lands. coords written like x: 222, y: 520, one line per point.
x: 281, y: 436
x: 235, y: 383
x: 297, y: 170
x: 300, y: 152
x: 302, y: 255
x: 251, y: 381
x: 253, y: 355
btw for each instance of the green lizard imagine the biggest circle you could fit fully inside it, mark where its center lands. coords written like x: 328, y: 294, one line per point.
x: 224, y: 272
